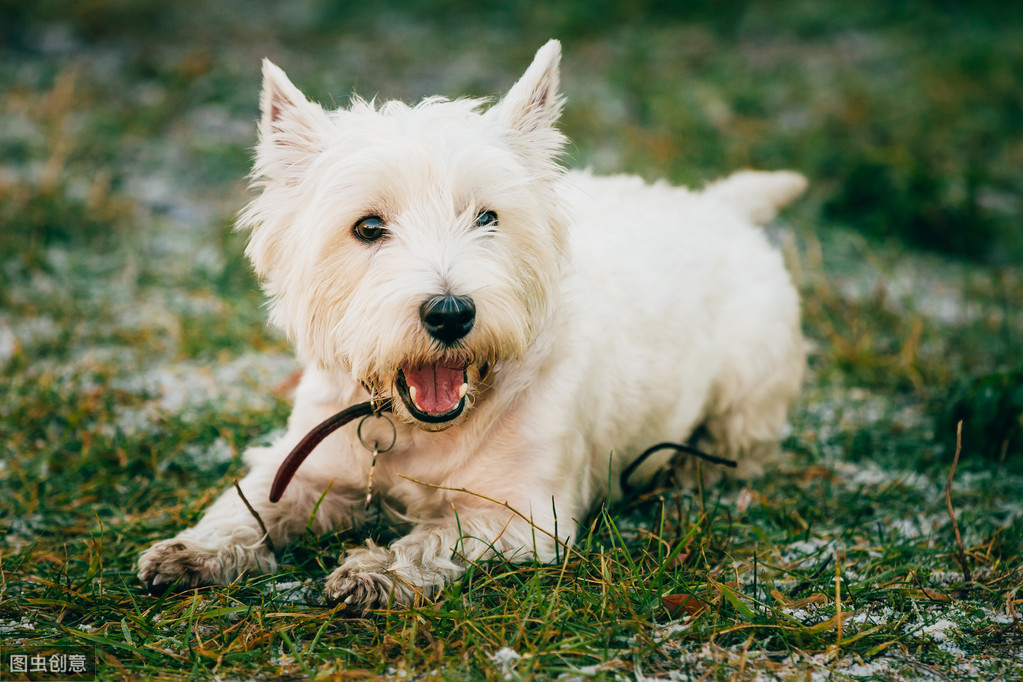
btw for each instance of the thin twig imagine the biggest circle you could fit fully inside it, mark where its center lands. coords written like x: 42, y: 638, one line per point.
x: 838, y: 605
x: 507, y: 506
x: 255, y: 515
x: 948, y: 503
x: 742, y: 661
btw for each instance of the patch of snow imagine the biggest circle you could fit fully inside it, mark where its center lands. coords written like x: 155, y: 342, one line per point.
x: 802, y: 615
x: 800, y: 549
x: 9, y: 626
x: 294, y: 591
x: 245, y: 382
x: 1000, y: 618
x: 217, y: 452
x: 505, y: 659
x: 945, y: 577
x: 9, y: 344
x: 283, y: 661
x: 937, y: 631
x: 873, y: 616
x: 25, y: 333
x: 880, y: 667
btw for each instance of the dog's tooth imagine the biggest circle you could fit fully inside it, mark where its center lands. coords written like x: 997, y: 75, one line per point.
x: 462, y: 390
x: 412, y: 394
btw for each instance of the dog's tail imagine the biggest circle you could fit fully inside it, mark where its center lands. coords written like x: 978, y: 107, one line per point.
x: 758, y: 195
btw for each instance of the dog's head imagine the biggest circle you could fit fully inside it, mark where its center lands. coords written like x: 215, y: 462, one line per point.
x: 416, y: 247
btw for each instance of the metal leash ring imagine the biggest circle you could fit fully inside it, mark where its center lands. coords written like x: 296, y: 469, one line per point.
x: 375, y: 448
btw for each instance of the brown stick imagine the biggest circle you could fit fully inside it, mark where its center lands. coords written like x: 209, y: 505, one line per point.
x: 255, y: 515
x: 948, y: 503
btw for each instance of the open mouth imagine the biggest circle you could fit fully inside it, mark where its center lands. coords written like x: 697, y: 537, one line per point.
x: 434, y: 392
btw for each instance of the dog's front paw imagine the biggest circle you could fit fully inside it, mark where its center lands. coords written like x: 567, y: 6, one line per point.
x: 358, y: 591
x: 178, y: 561
x: 362, y: 591
x: 187, y: 564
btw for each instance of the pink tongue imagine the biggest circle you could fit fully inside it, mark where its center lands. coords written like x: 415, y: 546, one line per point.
x: 436, y: 386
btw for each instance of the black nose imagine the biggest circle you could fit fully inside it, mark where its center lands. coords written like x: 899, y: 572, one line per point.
x: 448, y: 318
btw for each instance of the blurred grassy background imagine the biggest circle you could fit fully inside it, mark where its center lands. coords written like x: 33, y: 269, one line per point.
x: 135, y: 364
x: 907, y: 115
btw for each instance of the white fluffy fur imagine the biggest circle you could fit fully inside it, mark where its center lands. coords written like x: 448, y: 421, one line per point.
x: 613, y: 315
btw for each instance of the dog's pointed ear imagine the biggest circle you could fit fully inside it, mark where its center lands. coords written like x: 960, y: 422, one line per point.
x: 534, y: 104
x: 291, y: 129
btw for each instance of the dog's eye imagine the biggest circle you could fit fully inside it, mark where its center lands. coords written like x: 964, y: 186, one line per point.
x: 369, y: 229
x: 486, y: 219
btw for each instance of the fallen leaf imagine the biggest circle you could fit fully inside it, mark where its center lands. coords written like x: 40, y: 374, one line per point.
x: 815, y: 598
x: 677, y: 604
x: 932, y: 595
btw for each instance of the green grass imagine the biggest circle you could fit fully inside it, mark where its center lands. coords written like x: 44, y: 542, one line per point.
x: 136, y: 366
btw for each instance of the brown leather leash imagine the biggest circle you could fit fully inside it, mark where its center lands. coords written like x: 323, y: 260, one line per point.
x: 328, y: 426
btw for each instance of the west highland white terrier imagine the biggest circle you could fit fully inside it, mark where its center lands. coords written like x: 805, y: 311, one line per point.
x: 532, y: 329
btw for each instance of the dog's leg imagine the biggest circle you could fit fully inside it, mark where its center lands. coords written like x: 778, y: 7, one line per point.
x: 433, y: 555
x: 226, y: 543
x: 749, y: 416
x: 229, y: 542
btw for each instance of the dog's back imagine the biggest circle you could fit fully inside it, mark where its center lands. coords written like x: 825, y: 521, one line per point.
x: 696, y: 318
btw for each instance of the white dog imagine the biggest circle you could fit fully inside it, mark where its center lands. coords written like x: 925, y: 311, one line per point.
x: 534, y: 330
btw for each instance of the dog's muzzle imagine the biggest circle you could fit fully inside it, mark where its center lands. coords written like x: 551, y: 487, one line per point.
x: 434, y: 392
